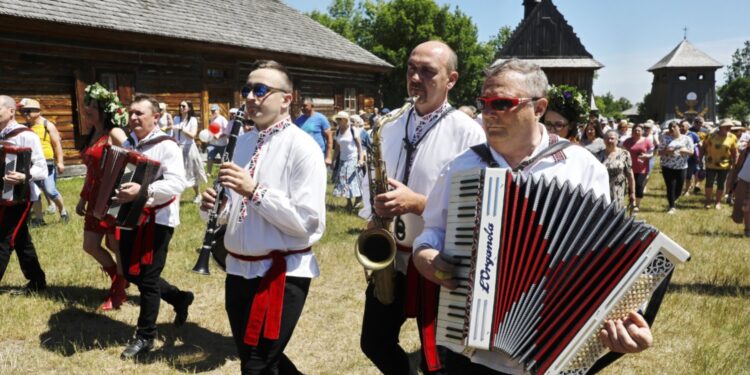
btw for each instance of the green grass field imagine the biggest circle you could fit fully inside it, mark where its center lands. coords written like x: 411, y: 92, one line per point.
x: 703, y: 326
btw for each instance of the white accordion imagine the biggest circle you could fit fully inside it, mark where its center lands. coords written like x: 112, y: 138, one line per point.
x: 541, y: 265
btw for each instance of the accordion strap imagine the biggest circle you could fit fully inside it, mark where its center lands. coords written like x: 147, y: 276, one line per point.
x: 15, y: 132
x: 555, y: 149
x: 153, y: 141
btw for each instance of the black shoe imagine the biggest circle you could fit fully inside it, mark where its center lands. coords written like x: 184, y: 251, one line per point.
x: 181, y: 309
x: 136, y: 347
x: 29, y: 289
x: 36, y: 223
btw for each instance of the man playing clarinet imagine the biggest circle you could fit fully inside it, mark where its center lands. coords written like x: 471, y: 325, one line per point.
x: 14, y: 230
x: 513, y: 99
x: 415, y: 148
x: 274, y: 213
x: 144, y: 249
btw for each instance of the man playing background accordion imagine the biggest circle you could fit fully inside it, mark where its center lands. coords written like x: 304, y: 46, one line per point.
x: 14, y: 231
x: 513, y: 99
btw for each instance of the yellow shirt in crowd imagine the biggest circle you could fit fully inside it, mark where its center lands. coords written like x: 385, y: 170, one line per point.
x: 40, y: 129
x: 719, y: 151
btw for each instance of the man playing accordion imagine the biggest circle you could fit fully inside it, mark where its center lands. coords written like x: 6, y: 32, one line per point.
x: 144, y: 249
x: 14, y: 230
x: 513, y: 100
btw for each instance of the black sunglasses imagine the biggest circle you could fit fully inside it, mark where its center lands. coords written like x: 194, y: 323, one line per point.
x: 259, y: 90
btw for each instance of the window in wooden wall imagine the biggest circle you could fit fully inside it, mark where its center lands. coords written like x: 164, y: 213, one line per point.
x: 350, y: 99
x: 108, y: 80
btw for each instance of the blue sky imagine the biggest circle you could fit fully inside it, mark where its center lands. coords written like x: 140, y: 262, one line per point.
x: 627, y: 36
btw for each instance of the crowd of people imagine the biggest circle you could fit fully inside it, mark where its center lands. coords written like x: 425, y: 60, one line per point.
x: 272, y: 224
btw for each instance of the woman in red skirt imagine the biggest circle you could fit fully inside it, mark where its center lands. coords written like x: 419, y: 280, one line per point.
x: 104, y: 116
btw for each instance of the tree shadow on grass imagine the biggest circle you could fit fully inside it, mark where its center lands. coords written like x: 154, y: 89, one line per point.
x: 76, y: 330
x: 711, y: 289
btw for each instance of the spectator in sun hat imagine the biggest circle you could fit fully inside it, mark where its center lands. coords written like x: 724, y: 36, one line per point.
x: 53, y: 153
x: 720, y: 150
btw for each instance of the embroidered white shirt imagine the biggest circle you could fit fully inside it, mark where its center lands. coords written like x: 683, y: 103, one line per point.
x: 451, y: 135
x: 38, y: 168
x: 169, y: 155
x: 287, y: 211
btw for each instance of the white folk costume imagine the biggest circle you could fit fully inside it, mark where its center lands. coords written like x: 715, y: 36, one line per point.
x: 578, y: 166
x: 269, y: 238
x: 436, y: 138
x: 14, y: 231
x: 144, y: 249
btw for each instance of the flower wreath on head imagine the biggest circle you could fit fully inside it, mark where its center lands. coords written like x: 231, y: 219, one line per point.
x: 110, y: 102
x: 568, y: 102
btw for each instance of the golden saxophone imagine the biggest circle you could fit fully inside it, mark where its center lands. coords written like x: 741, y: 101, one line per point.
x: 376, y: 247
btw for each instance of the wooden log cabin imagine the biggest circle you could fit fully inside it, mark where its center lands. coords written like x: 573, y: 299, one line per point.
x: 174, y: 50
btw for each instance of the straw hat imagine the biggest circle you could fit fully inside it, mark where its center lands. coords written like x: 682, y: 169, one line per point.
x: 341, y: 114
x: 726, y: 122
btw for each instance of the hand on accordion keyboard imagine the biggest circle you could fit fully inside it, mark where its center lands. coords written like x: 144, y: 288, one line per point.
x: 14, y: 178
x: 434, y: 267
x: 127, y: 192
x: 629, y: 335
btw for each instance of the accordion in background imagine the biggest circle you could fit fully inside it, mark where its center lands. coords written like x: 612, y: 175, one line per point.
x: 541, y: 265
x: 118, y: 166
x: 15, y: 159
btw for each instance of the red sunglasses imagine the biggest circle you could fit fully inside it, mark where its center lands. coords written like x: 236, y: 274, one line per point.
x: 500, y: 103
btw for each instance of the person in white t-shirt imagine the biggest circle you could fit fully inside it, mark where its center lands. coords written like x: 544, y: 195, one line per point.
x: 184, y: 132
x: 512, y: 102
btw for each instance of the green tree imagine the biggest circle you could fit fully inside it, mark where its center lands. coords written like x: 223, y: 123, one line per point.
x: 344, y: 17
x: 499, y: 41
x: 740, y: 63
x: 734, y: 99
x: 390, y: 30
x: 611, y: 107
x: 647, y: 108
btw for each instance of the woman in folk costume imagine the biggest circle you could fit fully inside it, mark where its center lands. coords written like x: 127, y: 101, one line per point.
x: 104, y: 116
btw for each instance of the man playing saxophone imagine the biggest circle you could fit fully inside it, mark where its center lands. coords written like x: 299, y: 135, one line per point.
x: 415, y: 147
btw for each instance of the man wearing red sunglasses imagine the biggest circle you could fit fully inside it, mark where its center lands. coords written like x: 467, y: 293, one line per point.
x: 512, y: 102
x: 415, y: 147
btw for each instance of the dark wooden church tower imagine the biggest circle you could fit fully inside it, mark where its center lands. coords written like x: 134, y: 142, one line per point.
x: 684, y: 84
x: 545, y: 38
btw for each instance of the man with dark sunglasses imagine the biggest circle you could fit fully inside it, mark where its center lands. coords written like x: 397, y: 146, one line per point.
x: 317, y: 125
x: 415, y: 148
x: 275, y: 211
x: 513, y: 101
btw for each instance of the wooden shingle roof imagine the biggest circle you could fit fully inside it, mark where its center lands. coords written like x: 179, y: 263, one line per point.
x: 685, y: 55
x: 267, y: 25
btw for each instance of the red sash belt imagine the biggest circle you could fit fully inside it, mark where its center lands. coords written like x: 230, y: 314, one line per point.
x: 143, y: 247
x: 21, y: 221
x: 269, y: 297
x: 422, y: 299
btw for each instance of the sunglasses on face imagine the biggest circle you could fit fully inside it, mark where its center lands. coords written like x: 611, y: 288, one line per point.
x: 259, y: 90
x: 500, y: 103
x: 556, y: 124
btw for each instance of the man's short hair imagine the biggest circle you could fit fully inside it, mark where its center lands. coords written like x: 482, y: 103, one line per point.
x: 535, y: 80
x: 7, y: 102
x: 150, y: 99
x: 270, y: 64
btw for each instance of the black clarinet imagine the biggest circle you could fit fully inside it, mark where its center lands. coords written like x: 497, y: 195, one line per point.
x: 214, y: 231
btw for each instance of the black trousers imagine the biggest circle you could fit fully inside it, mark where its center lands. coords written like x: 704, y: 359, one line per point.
x: 674, y: 179
x: 13, y: 219
x: 381, y: 326
x: 640, y: 184
x: 268, y: 357
x: 150, y: 284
